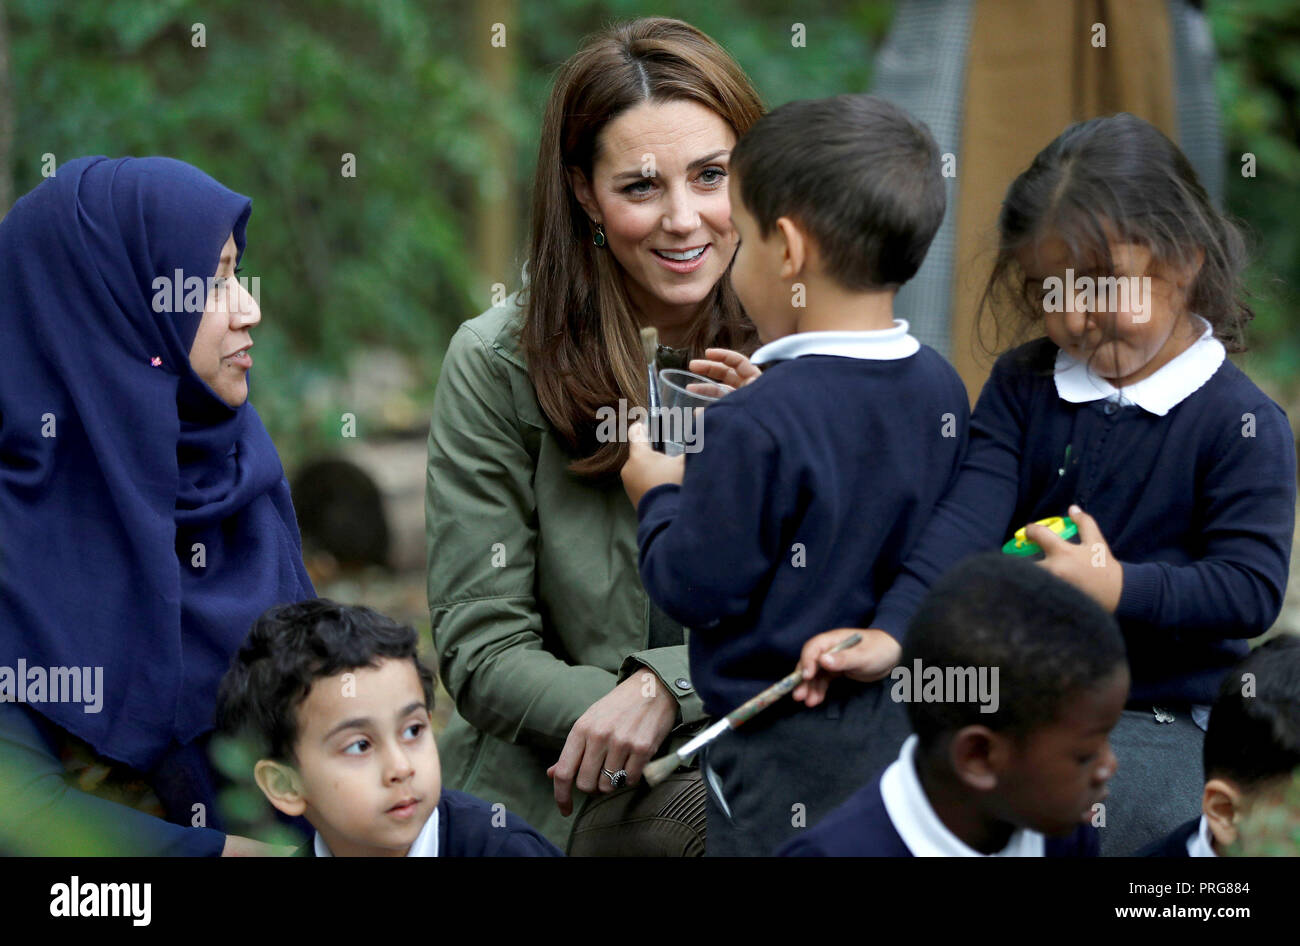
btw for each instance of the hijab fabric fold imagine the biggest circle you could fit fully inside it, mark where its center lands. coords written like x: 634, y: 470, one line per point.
x: 144, y: 523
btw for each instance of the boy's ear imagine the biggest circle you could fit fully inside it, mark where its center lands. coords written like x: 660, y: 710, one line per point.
x: 1222, y: 803
x: 281, y: 785
x: 795, y: 247
x: 975, y: 753
x: 582, y: 191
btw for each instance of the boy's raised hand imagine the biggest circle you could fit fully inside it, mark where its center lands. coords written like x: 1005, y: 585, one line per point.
x: 870, y: 659
x: 1089, y: 566
x: 727, y: 366
x: 646, y: 467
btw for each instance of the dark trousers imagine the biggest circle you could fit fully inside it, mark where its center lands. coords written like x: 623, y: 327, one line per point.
x: 782, y: 773
x: 1159, y: 782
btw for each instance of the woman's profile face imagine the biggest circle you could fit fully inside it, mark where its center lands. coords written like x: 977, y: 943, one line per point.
x: 219, y: 354
x: 659, y: 187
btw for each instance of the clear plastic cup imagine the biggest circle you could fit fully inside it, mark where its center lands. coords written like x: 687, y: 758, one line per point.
x: 682, y: 394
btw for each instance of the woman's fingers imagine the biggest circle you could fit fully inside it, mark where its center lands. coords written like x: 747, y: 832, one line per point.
x: 565, y: 768
x: 615, y: 759
x: 593, y: 760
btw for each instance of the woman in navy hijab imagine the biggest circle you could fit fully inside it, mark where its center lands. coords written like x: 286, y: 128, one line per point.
x: 145, y: 519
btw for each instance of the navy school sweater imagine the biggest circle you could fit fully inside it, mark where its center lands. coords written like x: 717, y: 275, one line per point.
x: 861, y: 827
x: 466, y: 829
x: 1198, y: 505
x: 811, y: 486
x: 1173, y: 844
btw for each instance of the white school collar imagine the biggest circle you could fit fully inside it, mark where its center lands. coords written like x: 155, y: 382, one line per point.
x: 1158, y: 394
x: 920, y: 828
x: 1199, y: 844
x: 425, y: 844
x: 884, y: 344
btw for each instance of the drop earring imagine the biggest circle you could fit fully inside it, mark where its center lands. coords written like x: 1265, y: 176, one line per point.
x: 599, y: 238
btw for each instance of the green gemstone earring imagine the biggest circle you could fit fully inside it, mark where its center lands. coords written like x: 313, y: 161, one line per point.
x: 599, y: 238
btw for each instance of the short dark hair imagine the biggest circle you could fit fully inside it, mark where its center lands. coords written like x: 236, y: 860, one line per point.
x: 290, y: 647
x: 858, y: 173
x: 1254, y: 731
x: 1049, y: 641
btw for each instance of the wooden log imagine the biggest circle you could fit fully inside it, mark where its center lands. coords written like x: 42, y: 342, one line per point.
x: 364, y: 503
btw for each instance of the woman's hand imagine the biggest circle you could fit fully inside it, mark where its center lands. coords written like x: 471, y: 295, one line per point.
x: 645, y: 467
x: 1089, y: 566
x: 727, y: 366
x: 869, y: 659
x: 621, y: 730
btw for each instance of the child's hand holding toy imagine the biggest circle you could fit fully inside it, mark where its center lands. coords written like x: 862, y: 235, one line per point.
x: 869, y: 660
x: 646, y: 468
x: 1089, y: 565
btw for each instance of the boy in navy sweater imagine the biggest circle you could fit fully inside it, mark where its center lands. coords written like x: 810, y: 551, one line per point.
x: 1021, y: 775
x: 339, y: 706
x: 812, y: 483
x: 1252, y: 749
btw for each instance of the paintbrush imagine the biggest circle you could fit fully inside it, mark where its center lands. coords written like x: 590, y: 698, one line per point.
x: 650, y: 349
x: 660, y: 769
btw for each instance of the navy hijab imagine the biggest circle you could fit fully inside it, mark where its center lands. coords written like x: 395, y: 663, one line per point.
x: 99, y: 522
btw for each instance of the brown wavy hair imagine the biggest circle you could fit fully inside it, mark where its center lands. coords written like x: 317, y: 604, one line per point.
x: 579, y: 335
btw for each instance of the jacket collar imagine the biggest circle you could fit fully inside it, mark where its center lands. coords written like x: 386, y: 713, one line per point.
x: 1182, y: 377
x: 879, y: 345
x: 921, y: 829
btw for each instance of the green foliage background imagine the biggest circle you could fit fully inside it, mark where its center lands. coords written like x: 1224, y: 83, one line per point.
x: 284, y: 88
x: 1258, y: 82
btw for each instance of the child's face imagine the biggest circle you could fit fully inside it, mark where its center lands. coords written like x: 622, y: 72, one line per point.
x: 367, y: 761
x: 756, y: 273
x: 1134, y: 327
x: 1060, y: 772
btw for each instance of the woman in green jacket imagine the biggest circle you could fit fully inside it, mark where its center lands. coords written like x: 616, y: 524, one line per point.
x: 563, y: 674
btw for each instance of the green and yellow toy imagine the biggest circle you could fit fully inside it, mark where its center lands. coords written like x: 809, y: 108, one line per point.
x: 1019, y: 544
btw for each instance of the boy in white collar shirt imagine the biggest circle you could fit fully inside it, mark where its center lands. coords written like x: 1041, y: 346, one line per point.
x: 1021, y: 775
x: 338, y: 705
x: 1252, y: 750
x: 813, y: 482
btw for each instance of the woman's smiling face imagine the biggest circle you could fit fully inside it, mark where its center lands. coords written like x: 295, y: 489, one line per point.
x: 219, y: 354
x: 659, y: 187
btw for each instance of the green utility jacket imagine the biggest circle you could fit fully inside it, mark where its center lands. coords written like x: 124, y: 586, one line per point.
x: 536, y: 604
